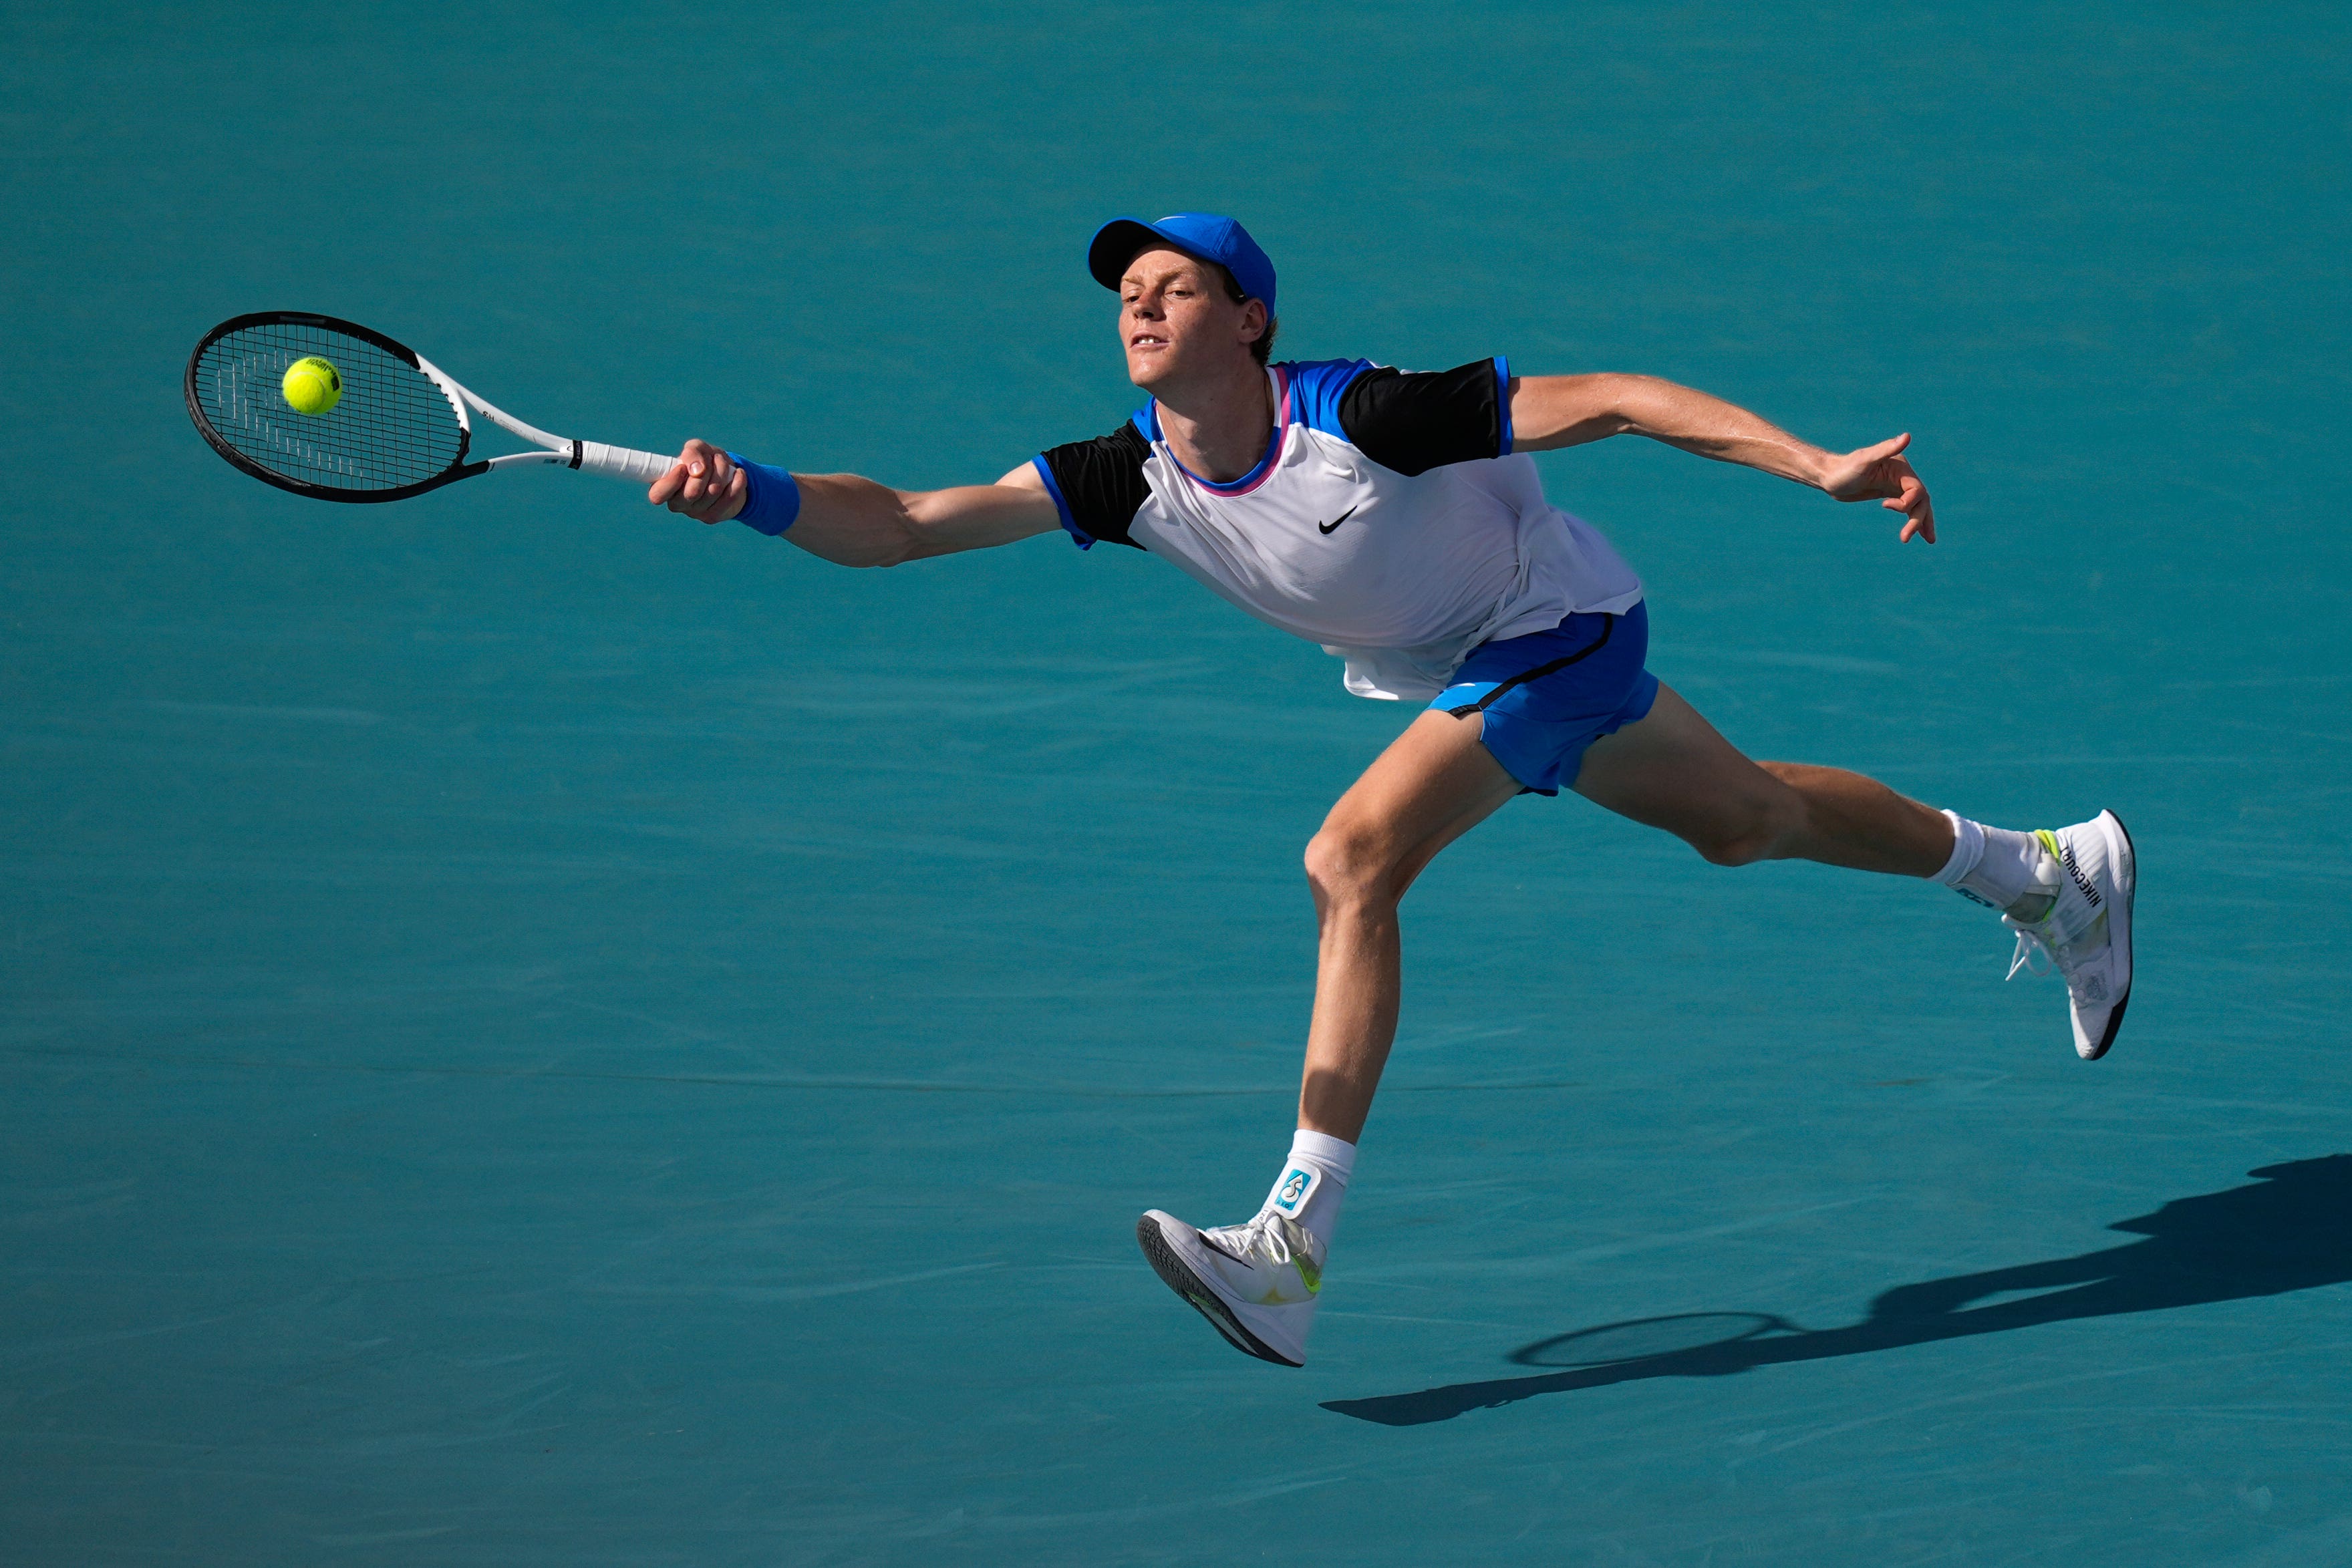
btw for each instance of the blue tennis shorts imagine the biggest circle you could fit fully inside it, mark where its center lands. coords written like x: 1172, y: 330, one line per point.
x: 1549, y: 695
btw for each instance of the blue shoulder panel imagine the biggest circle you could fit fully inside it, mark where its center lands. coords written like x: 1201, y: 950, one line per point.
x: 1078, y: 536
x: 1502, y: 399
x: 1315, y: 389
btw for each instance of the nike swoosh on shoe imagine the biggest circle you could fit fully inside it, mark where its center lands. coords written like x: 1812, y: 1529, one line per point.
x: 1221, y: 1251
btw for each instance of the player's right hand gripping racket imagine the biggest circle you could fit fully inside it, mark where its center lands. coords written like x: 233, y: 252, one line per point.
x: 399, y: 427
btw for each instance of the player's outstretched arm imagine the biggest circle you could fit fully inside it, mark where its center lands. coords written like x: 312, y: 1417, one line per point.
x: 1551, y: 411
x: 853, y: 521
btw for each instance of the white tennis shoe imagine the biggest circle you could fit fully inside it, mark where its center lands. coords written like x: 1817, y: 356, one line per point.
x: 1256, y: 1282
x: 2087, y: 935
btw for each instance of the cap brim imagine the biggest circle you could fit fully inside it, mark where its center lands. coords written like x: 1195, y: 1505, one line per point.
x: 1115, y: 245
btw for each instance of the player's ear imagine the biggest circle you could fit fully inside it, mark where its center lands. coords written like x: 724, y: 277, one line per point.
x: 1253, y: 320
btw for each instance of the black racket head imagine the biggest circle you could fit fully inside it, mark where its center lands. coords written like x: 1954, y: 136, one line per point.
x: 394, y: 433
x: 1645, y: 1339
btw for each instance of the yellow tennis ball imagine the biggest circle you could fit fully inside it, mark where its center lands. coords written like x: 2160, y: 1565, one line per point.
x: 312, y: 386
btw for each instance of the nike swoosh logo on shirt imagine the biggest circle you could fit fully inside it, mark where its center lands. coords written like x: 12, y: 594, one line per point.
x: 1326, y: 528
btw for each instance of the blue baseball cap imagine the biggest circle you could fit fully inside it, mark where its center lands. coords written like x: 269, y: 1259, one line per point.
x: 1203, y: 234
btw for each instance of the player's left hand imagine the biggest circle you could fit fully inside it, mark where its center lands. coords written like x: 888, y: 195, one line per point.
x: 1882, y: 474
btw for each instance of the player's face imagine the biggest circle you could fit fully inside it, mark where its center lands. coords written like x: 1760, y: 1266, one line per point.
x: 1175, y: 318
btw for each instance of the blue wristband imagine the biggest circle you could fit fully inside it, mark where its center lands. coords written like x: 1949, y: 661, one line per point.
x: 771, y: 497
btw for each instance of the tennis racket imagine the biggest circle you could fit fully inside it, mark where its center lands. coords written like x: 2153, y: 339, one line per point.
x: 399, y: 429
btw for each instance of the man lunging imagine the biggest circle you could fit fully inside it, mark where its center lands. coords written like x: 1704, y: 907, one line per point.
x: 1396, y: 519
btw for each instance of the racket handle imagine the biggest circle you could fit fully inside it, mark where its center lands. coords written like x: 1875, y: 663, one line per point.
x: 621, y: 462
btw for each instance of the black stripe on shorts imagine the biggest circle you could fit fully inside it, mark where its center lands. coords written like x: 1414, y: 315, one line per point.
x: 1538, y: 672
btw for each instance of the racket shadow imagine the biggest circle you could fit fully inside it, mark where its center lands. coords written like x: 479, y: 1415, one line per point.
x: 2291, y: 1230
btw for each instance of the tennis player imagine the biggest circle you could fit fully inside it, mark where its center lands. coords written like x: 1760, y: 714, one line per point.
x: 1396, y: 519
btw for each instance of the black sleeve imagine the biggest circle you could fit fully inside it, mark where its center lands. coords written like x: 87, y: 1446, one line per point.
x: 1414, y: 421
x: 1098, y: 485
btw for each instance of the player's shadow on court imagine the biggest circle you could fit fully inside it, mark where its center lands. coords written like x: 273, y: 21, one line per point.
x: 2291, y: 1230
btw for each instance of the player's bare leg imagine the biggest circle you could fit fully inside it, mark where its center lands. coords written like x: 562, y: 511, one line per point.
x: 2067, y: 894
x: 1258, y: 1281
x: 1674, y: 770
x: 1671, y: 770
x: 1432, y: 784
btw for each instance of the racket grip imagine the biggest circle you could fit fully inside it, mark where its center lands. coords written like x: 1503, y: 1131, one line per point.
x: 621, y: 462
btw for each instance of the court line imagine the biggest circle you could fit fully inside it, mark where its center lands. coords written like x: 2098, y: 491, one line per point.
x: 804, y: 1292
x: 726, y: 1080
x: 1442, y: 1322
x: 1042, y: 1090
x: 352, y: 716
x: 1976, y: 1395
x: 1190, y: 1506
x: 1400, y: 1276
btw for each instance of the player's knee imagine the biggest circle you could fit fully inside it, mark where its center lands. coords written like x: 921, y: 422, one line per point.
x: 1345, y: 863
x: 1743, y: 833
x: 1719, y: 848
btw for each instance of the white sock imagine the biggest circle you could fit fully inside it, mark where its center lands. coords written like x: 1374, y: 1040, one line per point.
x: 2007, y: 870
x: 1314, y: 1182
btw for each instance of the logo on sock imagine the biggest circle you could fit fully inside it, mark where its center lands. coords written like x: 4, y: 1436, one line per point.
x: 1297, y: 1184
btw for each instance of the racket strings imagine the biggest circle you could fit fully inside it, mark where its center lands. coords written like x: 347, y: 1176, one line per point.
x: 391, y: 427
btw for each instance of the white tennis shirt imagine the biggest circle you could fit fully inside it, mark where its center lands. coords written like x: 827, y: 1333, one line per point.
x: 1387, y: 521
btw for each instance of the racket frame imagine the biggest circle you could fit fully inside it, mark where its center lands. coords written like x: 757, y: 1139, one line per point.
x: 618, y: 462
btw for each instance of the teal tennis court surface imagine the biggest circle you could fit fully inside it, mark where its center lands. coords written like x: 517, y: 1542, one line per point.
x: 532, y: 1031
